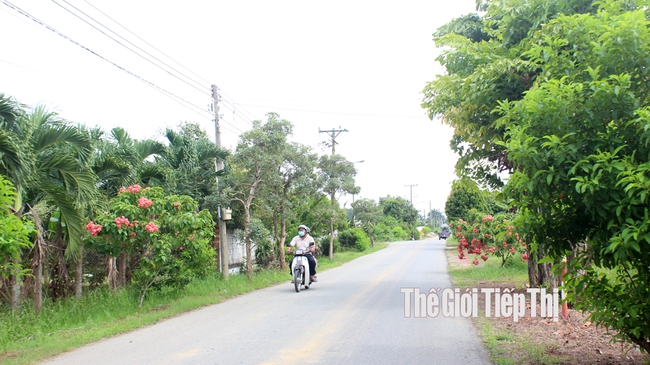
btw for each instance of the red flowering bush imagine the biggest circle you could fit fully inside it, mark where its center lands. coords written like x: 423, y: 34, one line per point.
x: 491, y: 236
x: 168, y: 241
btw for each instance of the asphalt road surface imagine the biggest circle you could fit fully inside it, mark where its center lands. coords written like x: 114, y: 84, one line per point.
x: 355, y: 314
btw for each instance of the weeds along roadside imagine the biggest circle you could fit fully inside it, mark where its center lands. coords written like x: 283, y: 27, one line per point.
x: 29, y: 337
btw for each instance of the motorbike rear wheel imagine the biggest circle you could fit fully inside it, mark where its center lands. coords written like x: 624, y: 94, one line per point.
x: 297, y: 280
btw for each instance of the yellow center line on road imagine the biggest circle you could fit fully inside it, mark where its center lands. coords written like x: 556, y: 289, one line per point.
x: 309, y: 348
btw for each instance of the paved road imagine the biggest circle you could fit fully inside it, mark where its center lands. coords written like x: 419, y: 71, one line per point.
x: 353, y: 315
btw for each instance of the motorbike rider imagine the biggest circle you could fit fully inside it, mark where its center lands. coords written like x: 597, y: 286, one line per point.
x: 303, y: 241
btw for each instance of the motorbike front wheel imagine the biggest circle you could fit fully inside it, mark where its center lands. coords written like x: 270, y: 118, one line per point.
x: 297, y: 280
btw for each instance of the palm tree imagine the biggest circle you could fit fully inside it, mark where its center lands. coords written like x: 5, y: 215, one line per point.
x: 190, y: 160
x: 45, y: 158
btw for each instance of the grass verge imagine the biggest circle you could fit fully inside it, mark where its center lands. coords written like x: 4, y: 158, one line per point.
x: 509, y: 348
x: 29, y: 338
x: 504, y: 346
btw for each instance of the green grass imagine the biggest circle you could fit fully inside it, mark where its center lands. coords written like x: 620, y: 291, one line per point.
x: 508, y: 348
x: 504, y: 346
x: 64, y: 325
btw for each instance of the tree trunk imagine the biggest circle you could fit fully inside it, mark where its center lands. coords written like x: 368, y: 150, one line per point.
x: 121, y: 269
x: 283, y: 240
x: 532, y: 269
x: 544, y: 274
x: 37, y: 263
x: 282, y: 235
x: 111, y: 273
x: 331, y: 253
x: 247, y: 239
x: 15, y: 285
x: 78, y: 277
x: 60, y: 284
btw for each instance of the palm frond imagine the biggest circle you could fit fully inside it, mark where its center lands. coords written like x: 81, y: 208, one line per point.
x: 148, y: 147
x: 121, y: 136
x: 12, y: 161
x: 74, y: 228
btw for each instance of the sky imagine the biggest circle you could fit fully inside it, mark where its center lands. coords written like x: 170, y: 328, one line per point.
x: 148, y: 65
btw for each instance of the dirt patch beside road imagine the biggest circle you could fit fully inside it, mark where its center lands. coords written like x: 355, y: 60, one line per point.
x: 537, y: 340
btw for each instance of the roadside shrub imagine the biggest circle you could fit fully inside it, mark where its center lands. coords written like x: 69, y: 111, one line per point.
x: 400, y: 234
x: 324, y: 246
x: 354, y: 238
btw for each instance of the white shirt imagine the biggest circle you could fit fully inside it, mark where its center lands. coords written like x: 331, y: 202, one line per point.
x: 302, y: 243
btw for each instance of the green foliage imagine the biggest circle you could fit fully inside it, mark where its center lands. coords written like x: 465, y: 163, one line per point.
x: 170, y: 236
x: 399, y: 208
x: 324, y: 246
x: 559, y: 98
x: 354, y: 238
x: 464, y: 196
x: 264, y: 248
x: 14, y: 234
x: 189, y: 164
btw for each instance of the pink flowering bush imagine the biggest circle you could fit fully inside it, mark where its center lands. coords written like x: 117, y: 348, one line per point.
x: 166, y: 239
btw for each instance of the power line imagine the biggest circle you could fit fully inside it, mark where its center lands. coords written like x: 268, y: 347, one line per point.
x: 123, y: 45
x: 147, y: 43
x: 149, y: 53
x: 336, y: 113
x: 38, y: 21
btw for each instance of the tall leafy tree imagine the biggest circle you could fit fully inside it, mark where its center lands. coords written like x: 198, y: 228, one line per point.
x: 255, y: 163
x: 369, y: 214
x: 336, y: 174
x: 464, y: 197
x: 579, y: 140
x: 46, y: 157
x: 485, y: 64
x: 296, y: 179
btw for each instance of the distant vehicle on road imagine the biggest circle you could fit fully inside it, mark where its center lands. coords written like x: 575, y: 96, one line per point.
x: 444, y: 232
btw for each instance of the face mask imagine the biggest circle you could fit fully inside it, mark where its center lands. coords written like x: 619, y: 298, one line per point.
x: 301, y: 233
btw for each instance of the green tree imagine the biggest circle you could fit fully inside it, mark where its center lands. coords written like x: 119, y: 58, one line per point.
x: 46, y: 159
x: 579, y: 141
x: 464, y: 197
x: 336, y: 177
x: 485, y: 62
x: 296, y: 179
x: 14, y: 238
x: 369, y: 214
x: 189, y: 162
x: 254, y: 163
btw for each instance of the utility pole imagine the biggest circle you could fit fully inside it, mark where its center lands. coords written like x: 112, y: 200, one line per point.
x: 411, y: 186
x: 223, y: 237
x: 333, y: 134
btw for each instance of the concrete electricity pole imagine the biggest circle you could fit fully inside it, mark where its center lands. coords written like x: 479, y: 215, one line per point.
x: 411, y: 186
x: 333, y: 134
x: 223, y: 238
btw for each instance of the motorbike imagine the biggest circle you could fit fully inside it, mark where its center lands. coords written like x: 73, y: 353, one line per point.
x: 300, y: 270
